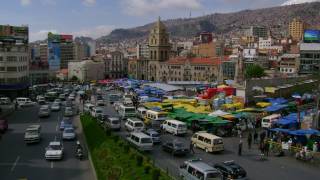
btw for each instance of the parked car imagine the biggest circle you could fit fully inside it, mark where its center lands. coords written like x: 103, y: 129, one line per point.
x: 88, y: 107
x: 62, y: 97
x: 24, y: 102
x: 54, y: 150
x: 175, y: 147
x: 58, y: 101
x: 230, y: 170
x: 175, y: 127
x: 44, y: 111
x: 134, y: 124
x: 68, y: 112
x: 55, y: 106
x: 68, y: 134
x: 32, y: 134
x: 154, y: 134
x: 3, y: 125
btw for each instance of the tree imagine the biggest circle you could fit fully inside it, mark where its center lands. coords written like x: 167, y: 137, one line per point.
x: 74, y: 78
x: 254, y: 71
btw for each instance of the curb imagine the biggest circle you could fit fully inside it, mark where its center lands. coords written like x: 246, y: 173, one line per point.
x: 89, y: 153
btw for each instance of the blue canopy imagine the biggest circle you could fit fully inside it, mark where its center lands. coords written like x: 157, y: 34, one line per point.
x: 152, y: 99
x: 302, y: 132
x: 274, y: 108
x: 280, y: 130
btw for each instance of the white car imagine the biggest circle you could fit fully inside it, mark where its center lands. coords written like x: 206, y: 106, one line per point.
x: 58, y: 101
x: 44, y: 111
x: 100, y: 103
x: 72, y: 97
x: 55, y: 106
x: 68, y: 112
x: 96, y: 112
x: 54, y: 150
x: 68, y: 134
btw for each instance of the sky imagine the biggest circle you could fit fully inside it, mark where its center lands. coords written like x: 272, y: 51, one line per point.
x: 96, y: 18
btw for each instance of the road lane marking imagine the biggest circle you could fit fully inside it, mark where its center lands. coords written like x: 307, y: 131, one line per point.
x: 15, y: 164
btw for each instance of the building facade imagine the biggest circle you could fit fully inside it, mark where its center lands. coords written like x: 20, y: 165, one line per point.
x: 86, y: 70
x: 258, y: 31
x: 14, y: 60
x: 116, y: 65
x: 289, y: 64
x: 296, y: 29
x: 309, y: 58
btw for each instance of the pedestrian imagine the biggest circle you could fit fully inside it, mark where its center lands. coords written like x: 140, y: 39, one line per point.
x: 240, y: 148
x: 16, y: 106
x: 249, y: 140
x: 266, y: 147
x: 255, y: 137
x: 191, y: 148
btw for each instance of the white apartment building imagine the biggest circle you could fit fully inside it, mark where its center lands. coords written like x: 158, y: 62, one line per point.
x: 86, y: 70
x: 14, y: 60
x: 265, y: 43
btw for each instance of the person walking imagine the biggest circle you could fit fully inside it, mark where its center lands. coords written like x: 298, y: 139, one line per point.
x: 240, y: 148
x: 249, y: 140
x: 255, y: 137
x: 266, y: 147
x: 191, y: 148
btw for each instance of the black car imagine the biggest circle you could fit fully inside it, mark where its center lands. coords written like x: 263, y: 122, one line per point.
x: 231, y: 170
x: 99, y: 97
x: 175, y: 147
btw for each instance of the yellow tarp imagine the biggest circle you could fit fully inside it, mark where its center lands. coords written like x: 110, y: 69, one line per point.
x: 234, y: 105
x: 263, y: 104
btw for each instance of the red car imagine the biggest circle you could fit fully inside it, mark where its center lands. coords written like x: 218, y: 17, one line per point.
x: 3, y: 125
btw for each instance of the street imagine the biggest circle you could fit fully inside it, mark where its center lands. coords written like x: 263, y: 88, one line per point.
x: 275, y: 168
x: 21, y: 161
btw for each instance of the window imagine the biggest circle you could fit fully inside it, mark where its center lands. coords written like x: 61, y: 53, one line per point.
x: 11, y: 69
x: 1, y: 58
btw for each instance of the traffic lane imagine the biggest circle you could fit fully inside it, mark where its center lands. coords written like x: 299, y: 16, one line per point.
x: 274, y: 168
x: 28, y: 160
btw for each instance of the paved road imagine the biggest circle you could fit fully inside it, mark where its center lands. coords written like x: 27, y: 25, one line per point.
x: 273, y: 169
x: 18, y: 160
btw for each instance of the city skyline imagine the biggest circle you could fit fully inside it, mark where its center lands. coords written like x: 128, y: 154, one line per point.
x: 99, y: 18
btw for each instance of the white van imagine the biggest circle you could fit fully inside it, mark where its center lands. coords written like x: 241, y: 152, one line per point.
x: 140, y: 140
x: 5, y: 100
x: 113, y: 123
x: 198, y: 170
x: 141, y: 112
x: 175, y: 127
x: 134, y: 124
x: 22, y: 101
x: 207, y: 142
x: 88, y: 107
x: 126, y: 111
x: 267, y: 121
x: 127, y: 102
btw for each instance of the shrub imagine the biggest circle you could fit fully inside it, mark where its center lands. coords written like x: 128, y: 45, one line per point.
x: 116, y: 138
x: 139, y: 160
x: 147, y: 169
x: 126, y: 148
x: 155, y: 174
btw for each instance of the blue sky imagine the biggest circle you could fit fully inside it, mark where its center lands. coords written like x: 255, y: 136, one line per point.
x: 98, y: 17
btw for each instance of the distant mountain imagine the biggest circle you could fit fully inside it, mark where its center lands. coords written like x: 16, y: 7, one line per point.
x: 83, y: 39
x: 277, y: 18
x: 291, y: 2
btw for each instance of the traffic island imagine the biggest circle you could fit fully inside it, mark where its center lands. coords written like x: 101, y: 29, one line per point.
x: 114, y: 158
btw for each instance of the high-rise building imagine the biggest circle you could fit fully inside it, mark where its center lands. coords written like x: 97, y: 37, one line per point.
x: 309, y: 58
x: 258, y: 31
x: 14, y: 60
x: 60, y: 51
x: 296, y: 28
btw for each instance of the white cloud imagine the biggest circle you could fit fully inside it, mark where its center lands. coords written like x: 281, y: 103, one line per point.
x: 40, y: 35
x: 95, y: 32
x: 25, y: 2
x: 142, y: 7
x: 89, y: 2
x: 291, y: 2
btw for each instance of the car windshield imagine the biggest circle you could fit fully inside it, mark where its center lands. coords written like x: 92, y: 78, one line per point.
x: 115, y: 122
x: 54, y: 147
x: 99, y: 111
x: 139, y: 124
x: 182, y: 126
x: 31, y: 132
x: 155, y: 135
x: 213, y: 176
x: 218, y: 141
x: 178, y: 145
x: 68, y: 130
x: 55, y: 104
x: 146, y: 140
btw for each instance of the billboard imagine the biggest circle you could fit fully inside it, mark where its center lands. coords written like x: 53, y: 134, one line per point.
x: 18, y: 34
x: 311, y: 36
x: 54, y: 56
x: 59, y: 38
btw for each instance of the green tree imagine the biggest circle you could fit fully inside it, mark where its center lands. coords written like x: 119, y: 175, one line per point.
x: 254, y: 71
x: 74, y: 78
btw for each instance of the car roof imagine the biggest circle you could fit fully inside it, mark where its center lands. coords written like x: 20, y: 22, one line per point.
x: 114, y: 118
x: 34, y: 127
x: 199, y: 165
x: 134, y: 119
x: 205, y: 134
x: 53, y: 143
x: 140, y: 134
x: 68, y: 128
x: 175, y: 121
